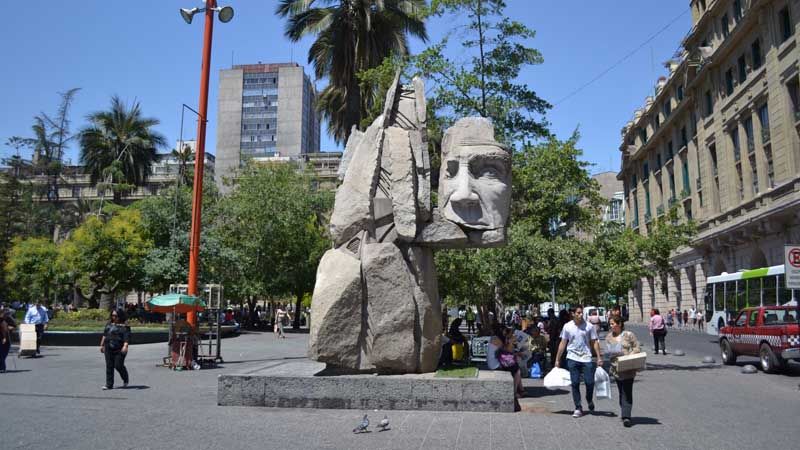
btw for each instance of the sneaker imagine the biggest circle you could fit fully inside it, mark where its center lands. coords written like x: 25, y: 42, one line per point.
x: 626, y: 422
x: 577, y: 414
x: 105, y: 388
x: 591, y: 406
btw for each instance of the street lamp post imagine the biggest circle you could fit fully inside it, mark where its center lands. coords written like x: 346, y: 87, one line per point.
x: 225, y: 15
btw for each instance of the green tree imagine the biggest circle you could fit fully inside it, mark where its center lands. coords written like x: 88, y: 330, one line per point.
x: 351, y: 36
x: 119, y: 147
x: 31, y: 269
x: 271, y: 233
x: 105, y: 256
x: 485, y: 84
x: 667, y: 234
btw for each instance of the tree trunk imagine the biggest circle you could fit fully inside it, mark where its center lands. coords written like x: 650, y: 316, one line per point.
x: 297, y: 306
x: 251, y: 306
x: 106, y: 301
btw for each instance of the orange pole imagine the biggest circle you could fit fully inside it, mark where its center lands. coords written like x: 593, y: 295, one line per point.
x: 199, y: 159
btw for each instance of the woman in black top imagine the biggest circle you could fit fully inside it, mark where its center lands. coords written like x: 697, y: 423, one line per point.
x: 114, y: 345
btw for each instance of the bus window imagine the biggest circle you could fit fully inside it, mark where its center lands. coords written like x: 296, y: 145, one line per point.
x: 708, y: 301
x: 730, y: 298
x: 770, y: 296
x: 741, y: 295
x: 754, y: 292
x: 784, y: 295
x: 719, y: 297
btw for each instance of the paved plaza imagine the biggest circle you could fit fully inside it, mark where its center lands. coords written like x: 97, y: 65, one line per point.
x: 56, y: 402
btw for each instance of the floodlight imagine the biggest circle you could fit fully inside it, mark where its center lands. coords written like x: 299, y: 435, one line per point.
x: 188, y: 14
x: 225, y: 14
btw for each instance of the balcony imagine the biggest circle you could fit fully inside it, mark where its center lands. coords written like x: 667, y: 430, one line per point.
x: 765, y: 135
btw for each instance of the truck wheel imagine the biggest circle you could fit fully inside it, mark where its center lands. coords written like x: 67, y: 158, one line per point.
x: 769, y: 362
x: 728, y: 357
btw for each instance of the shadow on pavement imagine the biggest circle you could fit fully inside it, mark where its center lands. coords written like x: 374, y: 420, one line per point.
x: 651, y: 366
x: 136, y: 387
x: 263, y: 360
x: 17, y: 370
x: 538, y: 392
x: 645, y: 421
x: 586, y: 412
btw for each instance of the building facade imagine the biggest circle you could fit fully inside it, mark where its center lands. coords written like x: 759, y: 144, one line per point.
x: 611, y: 190
x: 265, y: 110
x: 720, y: 142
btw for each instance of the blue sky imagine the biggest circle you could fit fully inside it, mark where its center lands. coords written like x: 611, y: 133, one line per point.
x: 142, y: 50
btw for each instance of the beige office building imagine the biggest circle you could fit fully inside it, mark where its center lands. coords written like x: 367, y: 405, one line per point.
x: 719, y: 140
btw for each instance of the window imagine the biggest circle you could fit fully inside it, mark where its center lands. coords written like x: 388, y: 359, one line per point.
x: 667, y: 108
x: 755, y: 50
x: 754, y: 173
x: 658, y: 161
x: 737, y: 10
x: 763, y: 118
x: 785, y: 24
x: 712, y: 150
x: 645, y: 171
x: 687, y: 210
x: 702, y: 5
x: 753, y: 319
x: 657, y: 122
x: 685, y: 170
x: 740, y: 181
x: 770, y: 296
x: 737, y: 154
x: 670, y: 153
x: 693, y: 119
x: 643, y: 135
x: 794, y: 95
x: 647, y: 201
x: 679, y: 92
x: 671, y: 185
x: 742, y: 319
x: 748, y: 132
x: 709, y: 103
x: 635, y: 211
x: 770, y: 167
x: 742, y: 69
x: 729, y: 81
x: 684, y: 140
x: 725, y: 22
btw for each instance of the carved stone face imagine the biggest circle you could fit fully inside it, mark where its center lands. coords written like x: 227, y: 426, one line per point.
x: 475, y: 180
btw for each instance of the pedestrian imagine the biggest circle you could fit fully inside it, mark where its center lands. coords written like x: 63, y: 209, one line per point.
x: 5, y: 338
x: 114, y: 344
x: 37, y: 315
x: 669, y: 318
x: 578, y: 338
x: 693, y: 317
x: 618, y: 343
x: 282, y: 318
x: 658, y: 330
x: 685, y: 319
x: 679, y: 316
x: 470, y: 316
x: 699, y: 319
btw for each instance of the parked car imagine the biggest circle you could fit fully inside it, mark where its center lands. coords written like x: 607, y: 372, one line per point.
x: 769, y: 332
x: 596, y: 315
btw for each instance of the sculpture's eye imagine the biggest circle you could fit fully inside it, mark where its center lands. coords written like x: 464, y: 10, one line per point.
x: 487, y: 169
x: 452, y: 168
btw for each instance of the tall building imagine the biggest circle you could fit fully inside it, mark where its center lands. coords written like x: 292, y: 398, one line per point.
x: 265, y: 110
x: 611, y: 190
x: 719, y: 140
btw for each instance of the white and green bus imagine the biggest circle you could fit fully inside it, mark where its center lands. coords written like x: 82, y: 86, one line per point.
x: 726, y: 294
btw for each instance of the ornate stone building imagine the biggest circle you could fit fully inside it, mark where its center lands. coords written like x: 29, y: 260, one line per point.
x: 719, y: 140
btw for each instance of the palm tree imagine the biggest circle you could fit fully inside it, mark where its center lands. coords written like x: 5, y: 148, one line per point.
x: 119, y: 147
x: 352, y: 36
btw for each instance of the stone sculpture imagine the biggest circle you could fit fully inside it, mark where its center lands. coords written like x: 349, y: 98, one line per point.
x: 376, y: 303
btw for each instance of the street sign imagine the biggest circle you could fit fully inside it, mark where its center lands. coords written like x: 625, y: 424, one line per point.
x: 791, y: 263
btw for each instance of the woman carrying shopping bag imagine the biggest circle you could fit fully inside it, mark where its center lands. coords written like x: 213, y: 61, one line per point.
x: 619, y: 343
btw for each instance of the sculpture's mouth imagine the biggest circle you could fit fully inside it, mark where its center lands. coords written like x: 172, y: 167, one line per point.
x: 468, y: 216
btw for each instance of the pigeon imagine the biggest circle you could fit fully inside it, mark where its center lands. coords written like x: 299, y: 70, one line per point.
x: 362, y: 427
x: 384, y: 425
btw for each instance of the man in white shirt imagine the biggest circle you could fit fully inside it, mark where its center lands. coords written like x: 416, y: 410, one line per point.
x: 693, y: 317
x: 578, y: 337
x: 37, y: 315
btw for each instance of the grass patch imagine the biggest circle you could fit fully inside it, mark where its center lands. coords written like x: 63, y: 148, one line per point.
x: 457, y: 372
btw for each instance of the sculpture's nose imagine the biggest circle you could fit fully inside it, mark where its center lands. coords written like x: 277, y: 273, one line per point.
x: 463, y: 196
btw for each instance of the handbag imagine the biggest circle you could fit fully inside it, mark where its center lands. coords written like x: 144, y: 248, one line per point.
x: 507, y: 360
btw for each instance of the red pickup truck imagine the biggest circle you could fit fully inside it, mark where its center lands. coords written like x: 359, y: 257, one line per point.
x: 769, y: 332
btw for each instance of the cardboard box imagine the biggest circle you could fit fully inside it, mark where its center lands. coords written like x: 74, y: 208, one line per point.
x: 634, y: 361
x: 27, y: 338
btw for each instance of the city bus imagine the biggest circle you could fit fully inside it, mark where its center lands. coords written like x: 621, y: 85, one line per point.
x: 726, y: 294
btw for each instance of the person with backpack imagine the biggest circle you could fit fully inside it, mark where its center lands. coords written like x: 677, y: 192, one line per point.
x: 114, y: 345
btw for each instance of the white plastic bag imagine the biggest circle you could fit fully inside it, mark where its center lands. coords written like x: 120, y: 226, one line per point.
x: 557, y: 379
x: 602, y: 384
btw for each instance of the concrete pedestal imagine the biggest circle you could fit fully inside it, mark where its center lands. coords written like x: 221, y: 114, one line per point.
x: 305, y: 384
